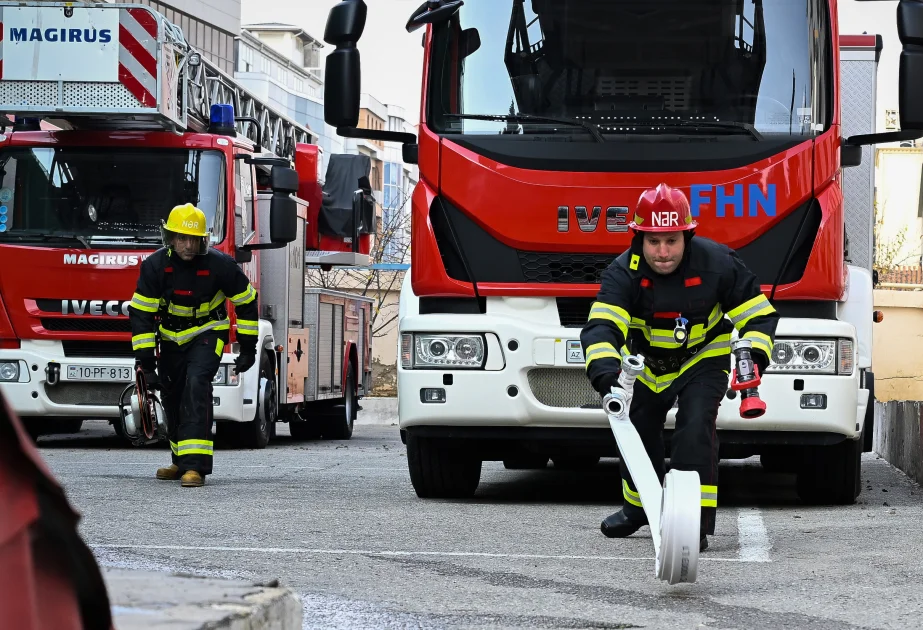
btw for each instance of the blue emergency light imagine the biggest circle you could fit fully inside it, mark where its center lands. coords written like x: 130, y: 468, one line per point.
x: 221, y: 120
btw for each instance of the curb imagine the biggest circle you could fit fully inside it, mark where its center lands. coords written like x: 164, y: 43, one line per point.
x: 148, y: 599
x: 378, y: 410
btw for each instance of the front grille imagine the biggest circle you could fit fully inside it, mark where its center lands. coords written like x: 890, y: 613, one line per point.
x: 546, y: 267
x: 105, y: 349
x: 85, y: 393
x: 75, y: 324
x: 574, y: 312
x: 566, y: 388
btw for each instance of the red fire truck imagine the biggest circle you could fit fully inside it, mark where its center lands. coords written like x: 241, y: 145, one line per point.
x: 541, y: 123
x: 117, y: 120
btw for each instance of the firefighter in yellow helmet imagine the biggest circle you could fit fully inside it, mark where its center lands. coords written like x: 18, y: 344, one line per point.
x: 180, y: 300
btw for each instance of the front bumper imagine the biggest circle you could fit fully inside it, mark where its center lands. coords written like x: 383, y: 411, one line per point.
x: 536, y: 387
x: 32, y: 395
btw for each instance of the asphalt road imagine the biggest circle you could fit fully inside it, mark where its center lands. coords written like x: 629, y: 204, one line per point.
x: 340, y: 524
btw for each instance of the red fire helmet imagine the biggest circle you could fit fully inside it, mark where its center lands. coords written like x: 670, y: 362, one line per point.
x: 663, y: 209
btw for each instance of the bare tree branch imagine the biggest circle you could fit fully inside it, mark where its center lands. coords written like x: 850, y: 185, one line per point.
x: 390, y: 245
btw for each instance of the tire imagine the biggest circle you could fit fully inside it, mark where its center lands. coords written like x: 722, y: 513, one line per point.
x: 339, y: 422
x: 438, y: 471
x: 831, y: 474
x: 256, y: 433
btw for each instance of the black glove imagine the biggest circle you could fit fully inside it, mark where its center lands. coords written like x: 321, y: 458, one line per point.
x: 760, y: 361
x: 148, y: 366
x: 245, y: 360
x: 605, y: 382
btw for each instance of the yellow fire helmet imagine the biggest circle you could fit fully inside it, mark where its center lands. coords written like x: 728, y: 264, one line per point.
x: 185, y: 219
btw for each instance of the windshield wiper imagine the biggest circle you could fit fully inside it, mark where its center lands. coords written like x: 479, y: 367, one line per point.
x: 43, y: 238
x: 730, y: 125
x: 573, y: 122
x: 722, y: 124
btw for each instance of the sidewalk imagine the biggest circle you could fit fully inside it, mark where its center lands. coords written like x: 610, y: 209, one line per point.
x: 151, y: 600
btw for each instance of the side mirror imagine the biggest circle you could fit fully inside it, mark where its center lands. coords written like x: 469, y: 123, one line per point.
x: 910, y: 70
x: 850, y: 155
x: 433, y: 12
x: 343, y: 78
x: 469, y: 42
x: 284, y: 179
x: 283, y: 211
x: 283, y: 218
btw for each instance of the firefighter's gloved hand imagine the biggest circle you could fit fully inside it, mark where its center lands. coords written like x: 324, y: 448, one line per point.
x: 606, y: 382
x: 149, y: 367
x: 759, y: 359
x: 244, y: 361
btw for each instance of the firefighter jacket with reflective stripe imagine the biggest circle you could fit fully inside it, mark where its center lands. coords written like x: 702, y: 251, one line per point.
x: 179, y: 300
x: 676, y: 320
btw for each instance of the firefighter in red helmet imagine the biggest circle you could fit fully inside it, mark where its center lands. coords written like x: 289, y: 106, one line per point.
x: 676, y: 300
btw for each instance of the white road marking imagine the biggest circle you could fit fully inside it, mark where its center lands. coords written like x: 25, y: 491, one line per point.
x: 370, y: 552
x: 754, y: 541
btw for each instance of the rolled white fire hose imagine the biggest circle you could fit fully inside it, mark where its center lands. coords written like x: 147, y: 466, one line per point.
x: 674, y: 510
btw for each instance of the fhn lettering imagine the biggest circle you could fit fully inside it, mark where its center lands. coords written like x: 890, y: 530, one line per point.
x: 737, y: 198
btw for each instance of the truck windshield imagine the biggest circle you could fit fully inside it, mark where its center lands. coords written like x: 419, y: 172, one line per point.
x: 747, y: 71
x: 101, y: 197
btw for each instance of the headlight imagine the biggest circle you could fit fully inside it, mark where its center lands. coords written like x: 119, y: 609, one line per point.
x: 442, y: 351
x: 812, y: 356
x: 225, y: 376
x: 9, y: 371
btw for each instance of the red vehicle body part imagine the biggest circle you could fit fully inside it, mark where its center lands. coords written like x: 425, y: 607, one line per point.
x: 663, y: 209
x: 49, y: 579
x: 113, y: 270
x: 467, y: 179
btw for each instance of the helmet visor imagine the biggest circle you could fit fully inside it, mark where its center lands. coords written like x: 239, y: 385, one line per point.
x: 170, y: 238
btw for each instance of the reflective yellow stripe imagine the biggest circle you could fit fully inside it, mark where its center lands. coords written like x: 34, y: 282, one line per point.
x: 719, y: 346
x: 195, y: 447
x: 617, y: 315
x: 207, y: 307
x: 142, y: 303
x: 698, y: 332
x: 748, y: 310
x: 181, y: 311
x: 630, y: 495
x: 189, y: 334
x: 144, y: 340
x: 219, y: 347
x: 247, y: 327
x: 603, y: 350
x: 244, y: 297
x: 710, y: 496
x: 173, y: 447
x: 761, y: 341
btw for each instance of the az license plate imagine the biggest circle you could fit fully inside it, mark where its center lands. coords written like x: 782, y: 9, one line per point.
x: 574, y: 351
x: 99, y: 373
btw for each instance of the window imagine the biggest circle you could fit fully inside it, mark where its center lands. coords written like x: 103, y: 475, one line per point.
x: 246, y: 58
x: 392, y: 211
x: 244, y: 187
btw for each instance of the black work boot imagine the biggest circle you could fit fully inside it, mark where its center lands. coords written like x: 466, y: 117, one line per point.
x: 703, y: 543
x: 619, y: 526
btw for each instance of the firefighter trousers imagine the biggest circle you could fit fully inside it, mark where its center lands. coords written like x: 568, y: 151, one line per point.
x: 694, y: 444
x: 187, y: 373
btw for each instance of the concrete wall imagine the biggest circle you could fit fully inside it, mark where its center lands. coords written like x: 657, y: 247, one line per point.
x: 897, y: 355
x: 898, y: 436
